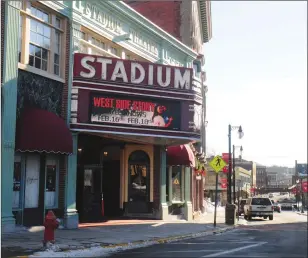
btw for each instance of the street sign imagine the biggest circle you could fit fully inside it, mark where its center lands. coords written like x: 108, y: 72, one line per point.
x: 301, y: 170
x: 223, y: 185
x: 217, y: 163
x: 225, y: 157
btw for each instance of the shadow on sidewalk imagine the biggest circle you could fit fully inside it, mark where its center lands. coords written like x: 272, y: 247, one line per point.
x: 11, y: 253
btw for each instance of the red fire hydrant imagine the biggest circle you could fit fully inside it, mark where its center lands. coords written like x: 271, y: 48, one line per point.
x: 51, y: 224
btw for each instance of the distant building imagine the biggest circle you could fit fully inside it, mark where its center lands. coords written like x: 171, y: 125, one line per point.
x: 250, y: 166
x: 280, y: 177
x: 261, y: 176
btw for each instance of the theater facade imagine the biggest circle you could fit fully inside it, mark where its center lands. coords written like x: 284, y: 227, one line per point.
x: 100, y: 126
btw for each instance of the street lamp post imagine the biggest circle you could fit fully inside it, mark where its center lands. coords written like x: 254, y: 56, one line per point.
x: 241, y: 134
x: 233, y: 167
x: 301, y: 194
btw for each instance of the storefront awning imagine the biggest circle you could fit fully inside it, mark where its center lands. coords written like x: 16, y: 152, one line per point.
x: 42, y: 131
x: 180, y: 155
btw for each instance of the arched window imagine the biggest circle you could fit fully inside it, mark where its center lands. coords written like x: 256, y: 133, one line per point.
x: 139, y: 157
x: 138, y: 180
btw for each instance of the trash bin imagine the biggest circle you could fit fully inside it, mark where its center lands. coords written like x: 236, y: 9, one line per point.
x: 230, y: 214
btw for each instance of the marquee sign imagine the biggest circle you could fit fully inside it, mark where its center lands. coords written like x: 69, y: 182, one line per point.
x: 113, y: 109
x: 130, y: 97
x: 105, y: 69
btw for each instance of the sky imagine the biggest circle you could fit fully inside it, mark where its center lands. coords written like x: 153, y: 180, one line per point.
x: 256, y: 65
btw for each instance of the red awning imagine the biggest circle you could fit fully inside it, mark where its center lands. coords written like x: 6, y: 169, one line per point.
x: 42, y: 131
x: 180, y: 155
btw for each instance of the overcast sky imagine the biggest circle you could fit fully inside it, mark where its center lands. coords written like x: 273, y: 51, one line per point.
x: 256, y: 67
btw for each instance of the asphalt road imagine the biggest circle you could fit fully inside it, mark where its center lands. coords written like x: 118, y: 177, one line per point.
x: 284, y: 237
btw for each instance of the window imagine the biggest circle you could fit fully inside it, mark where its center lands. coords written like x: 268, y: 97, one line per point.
x: 176, y: 183
x: 98, y: 43
x: 261, y: 201
x: 32, y: 181
x: 43, y: 42
x: 17, y: 178
x: 39, y: 41
x: 57, y: 54
x: 197, y: 70
x: 114, y: 51
x: 139, y: 165
x: 51, y: 184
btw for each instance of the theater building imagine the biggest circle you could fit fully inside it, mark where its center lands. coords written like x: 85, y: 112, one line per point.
x: 91, y: 104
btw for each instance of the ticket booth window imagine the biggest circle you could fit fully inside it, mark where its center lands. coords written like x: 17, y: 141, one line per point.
x: 176, y: 183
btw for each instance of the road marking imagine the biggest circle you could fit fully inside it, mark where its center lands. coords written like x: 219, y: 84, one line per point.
x: 234, y: 250
x: 191, y: 251
x: 158, y: 224
x: 179, y: 243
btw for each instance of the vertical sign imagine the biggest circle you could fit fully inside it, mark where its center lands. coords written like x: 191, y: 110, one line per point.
x: 225, y: 157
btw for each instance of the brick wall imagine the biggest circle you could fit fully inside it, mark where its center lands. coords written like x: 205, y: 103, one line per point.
x: 63, y: 163
x: 165, y: 14
x: 2, y: 36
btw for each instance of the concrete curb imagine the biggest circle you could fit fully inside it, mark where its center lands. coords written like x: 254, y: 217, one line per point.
x: 303, y: 214
x: 142, y: 243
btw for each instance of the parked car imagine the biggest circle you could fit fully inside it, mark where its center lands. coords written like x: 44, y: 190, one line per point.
x: 258, y: 207
x: 276, y: 206
x: 288, y: 204
x: 240, y: 209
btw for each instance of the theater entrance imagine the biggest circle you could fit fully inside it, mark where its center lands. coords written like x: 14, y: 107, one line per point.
x: 98, y: 180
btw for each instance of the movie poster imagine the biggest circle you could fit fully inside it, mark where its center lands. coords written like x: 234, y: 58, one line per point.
x: 135, y: 112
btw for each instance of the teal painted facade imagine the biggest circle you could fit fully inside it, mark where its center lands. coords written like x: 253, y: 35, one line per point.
x: 9, y: 98
x: 115, y: 21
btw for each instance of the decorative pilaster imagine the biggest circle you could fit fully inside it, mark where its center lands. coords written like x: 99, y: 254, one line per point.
x: 188, y: 205
x: 9, y: 99
x: 163, y: 171
x: 170, y: 184
x: 71, y: 218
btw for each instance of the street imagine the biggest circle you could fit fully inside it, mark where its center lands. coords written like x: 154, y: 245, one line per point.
x: 285, y: 236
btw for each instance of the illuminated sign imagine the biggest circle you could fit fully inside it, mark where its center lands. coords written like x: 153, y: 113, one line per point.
x: 134, y: 112
x: 105, y: 69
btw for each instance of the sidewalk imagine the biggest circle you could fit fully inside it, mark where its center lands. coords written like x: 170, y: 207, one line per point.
x: 113, y: 234
x: 305, y: 213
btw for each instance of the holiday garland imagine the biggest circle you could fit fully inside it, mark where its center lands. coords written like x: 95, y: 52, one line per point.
x: 199, y: 169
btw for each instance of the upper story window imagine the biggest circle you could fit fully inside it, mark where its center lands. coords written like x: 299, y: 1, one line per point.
x: 197, y: 70
x: 114, y: 51
x: 95, y: 44
x: 41, y: 34
x: 98, y: 43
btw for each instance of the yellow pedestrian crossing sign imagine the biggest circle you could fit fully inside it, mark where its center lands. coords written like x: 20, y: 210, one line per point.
x: 217, y: 163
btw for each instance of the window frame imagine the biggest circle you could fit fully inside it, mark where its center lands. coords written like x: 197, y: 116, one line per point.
x: 57, y: 159
x: 22, y: 181
x: 53, y: 17
x: 181, y: 185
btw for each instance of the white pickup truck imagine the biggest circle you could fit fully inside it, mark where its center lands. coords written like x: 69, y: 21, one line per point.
x: 259, y: 207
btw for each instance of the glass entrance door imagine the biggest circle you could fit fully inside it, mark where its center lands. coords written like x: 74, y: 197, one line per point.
x: 92, y: 193
x: 138, y: 180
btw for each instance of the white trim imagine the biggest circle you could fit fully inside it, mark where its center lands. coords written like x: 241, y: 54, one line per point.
x: 129, y: 87
x: 135, y: 134
x: 137, y: 94
x: 32, y: 69
x: 138, y: 128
